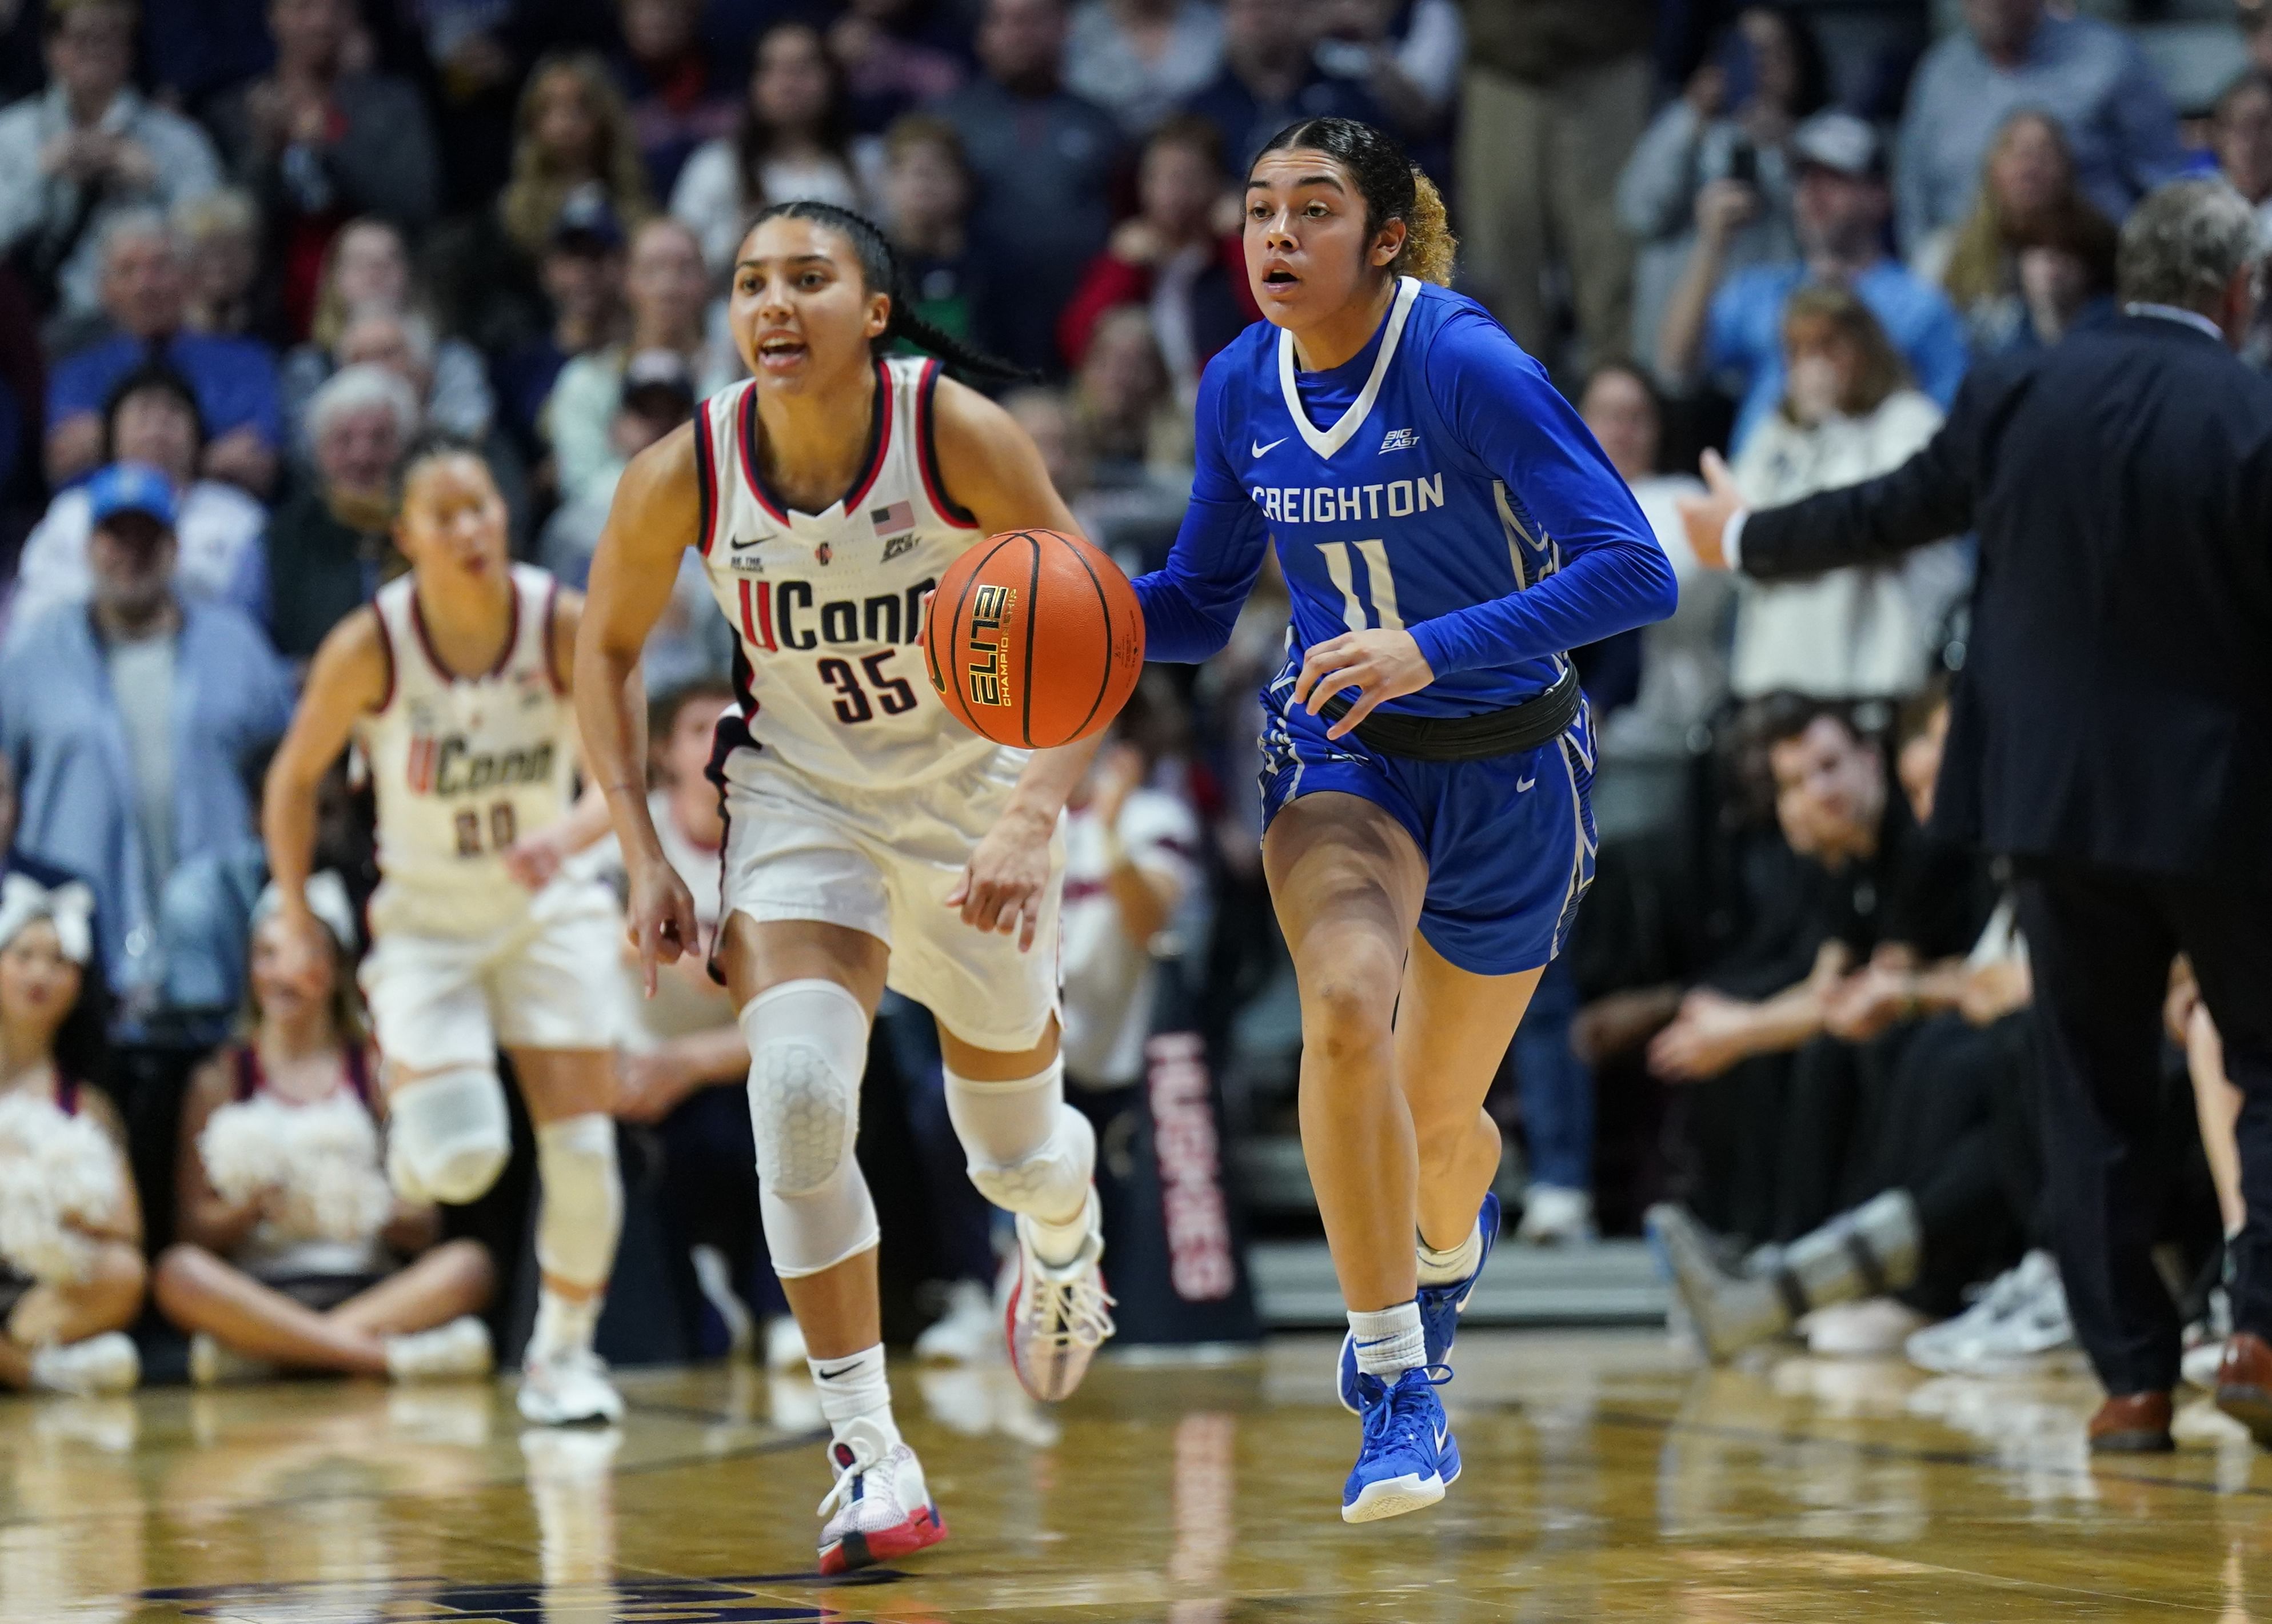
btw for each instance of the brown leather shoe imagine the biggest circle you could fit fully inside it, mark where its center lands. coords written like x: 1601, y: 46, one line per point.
x: 2132, y: 1423
x: 2243, y: 1384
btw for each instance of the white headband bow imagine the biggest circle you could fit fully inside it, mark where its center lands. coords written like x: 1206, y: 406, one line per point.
x: 69, y: 907
x: 327, y: 900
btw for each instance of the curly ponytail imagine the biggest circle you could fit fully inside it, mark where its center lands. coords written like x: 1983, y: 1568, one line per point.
x: 1392, y: 186
x: 880, y: 267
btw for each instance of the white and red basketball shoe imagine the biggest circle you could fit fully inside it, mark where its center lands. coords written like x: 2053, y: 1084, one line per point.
x: 1058, y: 1315
x: 881, y: 1507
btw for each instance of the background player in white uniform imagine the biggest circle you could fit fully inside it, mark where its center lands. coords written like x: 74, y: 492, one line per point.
x: 453, y: 680
x: 827, y: 494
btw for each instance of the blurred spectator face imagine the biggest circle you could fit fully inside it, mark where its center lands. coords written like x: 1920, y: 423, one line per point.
x: 1919, y: 765
x: 132, y: 557
x: 2029, y: 169
x: 1123, y: 378
x: 157, y: 427
x: 1265, y: 34
x: 667, y: 286
x: 1623, y: 418
x: 356, y: 451
x: 2244, y: 139
x: 682, y: 755
x: 144, y: 290
x: 2056, y: 284
x: 789, y: 89
x: 452, y: 519
x: 370, y: 267
x: 582, y: 286
x: 1830, y: 791
x: 925, y: 189
x: 220, y: 265
x: 309, y: 33
x: 565, y: 124
x: 38, y: 985
x: 1021, y: 42
x: 380, y: 338
x: 1042, y: 414
x: 1177, y: 186
x: 286, y: 984
x: 91, y: 51
x: 2003, y: 27
x: 659, y: 30
x: 1775, y: 59
x: 1838, y: 213
x: 1821, y: 367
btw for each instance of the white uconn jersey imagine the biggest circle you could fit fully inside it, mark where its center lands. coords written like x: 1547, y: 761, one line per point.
x: 828, y: 605
x: 464, y: 766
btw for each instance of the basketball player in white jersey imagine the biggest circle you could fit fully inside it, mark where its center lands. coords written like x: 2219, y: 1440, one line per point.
x: 454, y: 681
x: 868, y: 832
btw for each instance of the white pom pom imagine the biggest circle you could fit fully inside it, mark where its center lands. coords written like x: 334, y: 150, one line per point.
x: 316, y: 1166
x: 52, y: 1168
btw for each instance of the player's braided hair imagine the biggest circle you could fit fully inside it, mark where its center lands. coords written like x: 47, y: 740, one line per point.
x: 1392, y: 186
x: 880, y: 266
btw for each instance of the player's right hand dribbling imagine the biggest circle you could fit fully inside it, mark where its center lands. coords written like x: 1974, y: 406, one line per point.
x: 661, y: 919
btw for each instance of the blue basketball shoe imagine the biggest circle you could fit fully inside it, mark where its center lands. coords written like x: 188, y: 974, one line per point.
x: 1440, y: 1308
x: 1408, y: 1457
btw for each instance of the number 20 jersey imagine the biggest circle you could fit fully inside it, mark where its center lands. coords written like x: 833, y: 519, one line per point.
x: 464, y: 766
x: 828, y: 607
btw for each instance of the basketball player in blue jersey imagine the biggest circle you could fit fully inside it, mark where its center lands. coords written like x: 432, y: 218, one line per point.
x: 1448, y: 531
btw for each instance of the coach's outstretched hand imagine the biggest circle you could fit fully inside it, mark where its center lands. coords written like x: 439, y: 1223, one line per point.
x: 1707, y: 516
x: 1379, y: 664
x: 659, y: 916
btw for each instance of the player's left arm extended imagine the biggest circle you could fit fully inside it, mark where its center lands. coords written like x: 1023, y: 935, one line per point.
x: 994, y: 469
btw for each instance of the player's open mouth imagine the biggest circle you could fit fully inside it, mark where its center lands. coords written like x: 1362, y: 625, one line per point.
x: 779, y: 352
x: 1278, y: 276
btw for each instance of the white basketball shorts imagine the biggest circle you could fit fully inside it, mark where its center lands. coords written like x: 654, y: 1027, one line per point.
x: 883, y: 862
x: 550, y: 981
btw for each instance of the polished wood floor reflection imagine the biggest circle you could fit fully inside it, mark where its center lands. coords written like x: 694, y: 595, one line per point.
x: 1605, y: 1479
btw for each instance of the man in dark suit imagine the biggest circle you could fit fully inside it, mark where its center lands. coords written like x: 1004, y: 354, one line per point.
x: 2113, y: 734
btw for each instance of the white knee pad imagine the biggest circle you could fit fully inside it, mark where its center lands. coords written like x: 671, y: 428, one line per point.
x: 582, y: 1212
x: 448, y: 1135
x: 1029, y: 1151
x: 808, y: 1048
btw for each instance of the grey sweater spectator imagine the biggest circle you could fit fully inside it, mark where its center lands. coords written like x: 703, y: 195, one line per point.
x: 133, y: 723
x: 87, y: 148
x: 2011, y: 54
x: 1045, y: 161
x: 314, y: 141
x: 1138, y: 58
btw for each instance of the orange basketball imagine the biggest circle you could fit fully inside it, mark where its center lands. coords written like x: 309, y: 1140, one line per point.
x: 1033, y: 639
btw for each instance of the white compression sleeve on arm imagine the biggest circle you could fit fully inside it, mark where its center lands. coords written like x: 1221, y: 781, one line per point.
x: 582, y: 1212
x: 808, y: 1049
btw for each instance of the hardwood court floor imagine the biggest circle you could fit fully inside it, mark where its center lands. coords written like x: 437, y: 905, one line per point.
x: 1605, y: 1479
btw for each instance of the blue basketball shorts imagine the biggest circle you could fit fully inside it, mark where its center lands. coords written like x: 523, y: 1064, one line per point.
x: 1509, y: 842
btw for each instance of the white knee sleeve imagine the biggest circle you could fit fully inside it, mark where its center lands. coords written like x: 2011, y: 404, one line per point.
x: 448, y: 1135
x: 1029, y: 1151
x: 582, y: 1212
x: 808, y: 1048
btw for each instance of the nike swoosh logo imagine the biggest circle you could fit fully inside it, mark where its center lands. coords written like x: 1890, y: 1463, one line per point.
x: 1375, y: 1341
x: 1265, y: 450
x: 1443, y: 1435
x: 755, y: 540
x: 831, y: 1375
x: 1520, y: 784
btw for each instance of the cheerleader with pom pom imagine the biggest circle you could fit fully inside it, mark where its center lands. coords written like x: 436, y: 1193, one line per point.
x: 292, y: 1234
x: 71, y: 1229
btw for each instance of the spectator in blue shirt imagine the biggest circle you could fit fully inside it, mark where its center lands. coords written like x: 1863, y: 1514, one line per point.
x: 2010, y: 55
x: 1731, y: 331
x: 145, y: 294
x: 1271, y: 79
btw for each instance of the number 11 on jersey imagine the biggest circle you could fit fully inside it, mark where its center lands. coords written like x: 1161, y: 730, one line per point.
x: 1380, y: 585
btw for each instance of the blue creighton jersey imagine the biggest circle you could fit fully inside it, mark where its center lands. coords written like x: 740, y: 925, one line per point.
x: 1435, y: 482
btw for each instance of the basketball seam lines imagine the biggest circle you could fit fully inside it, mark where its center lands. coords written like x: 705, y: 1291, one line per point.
x: 1104, y: 607
x: 1033, y: 591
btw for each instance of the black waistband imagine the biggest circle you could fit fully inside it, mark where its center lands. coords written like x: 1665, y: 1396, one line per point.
x: 1470, y: 738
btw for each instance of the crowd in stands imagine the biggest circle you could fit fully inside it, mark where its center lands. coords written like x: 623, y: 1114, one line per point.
x: 251, y: 250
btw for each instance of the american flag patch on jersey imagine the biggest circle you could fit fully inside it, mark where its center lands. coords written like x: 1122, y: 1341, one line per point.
x: 893, y: 520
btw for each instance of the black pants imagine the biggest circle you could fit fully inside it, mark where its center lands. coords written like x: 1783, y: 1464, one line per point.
x: 2100, y: 941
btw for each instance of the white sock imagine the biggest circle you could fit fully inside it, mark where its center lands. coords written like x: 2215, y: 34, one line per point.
x: 563, y: 1326
x: 1450, y: 1267
x: 1388, y: 1340
x: 852, y: 1389
x: 1058, y: 1244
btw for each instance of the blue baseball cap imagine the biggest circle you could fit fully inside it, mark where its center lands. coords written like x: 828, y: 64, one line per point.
x: 130, y: 487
